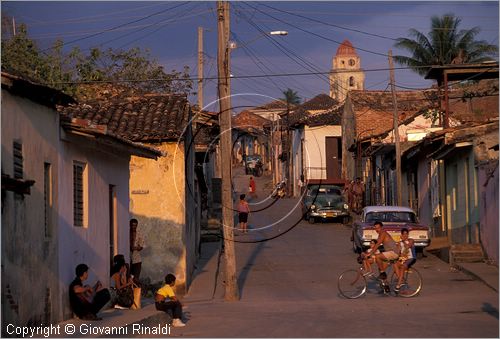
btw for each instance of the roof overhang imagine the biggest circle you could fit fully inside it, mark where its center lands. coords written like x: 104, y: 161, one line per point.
x: 488, y: 70
x: 84, y: 133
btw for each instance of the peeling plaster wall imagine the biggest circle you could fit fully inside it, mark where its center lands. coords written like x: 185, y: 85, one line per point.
x: 158, y: 202
x: 29, y: 257
x: 91, y: 244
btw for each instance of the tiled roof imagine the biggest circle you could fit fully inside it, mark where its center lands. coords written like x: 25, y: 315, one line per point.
x: 374, y: 109
x: 206, y: 135
x: 248, y: 119
x: 346, y: 49
x: 148, y: 117
x: 333, y: 117
x: 475, y: 103
x: 296, y: 117
x: 320, y: 102
x: 276, y: 104
x: 100, y: 134
x: 34, y: 91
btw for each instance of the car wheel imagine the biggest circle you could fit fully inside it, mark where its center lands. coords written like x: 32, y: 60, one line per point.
x: 311, y: 220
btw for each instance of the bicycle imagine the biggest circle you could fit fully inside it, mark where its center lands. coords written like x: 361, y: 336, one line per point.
x: 352, y: 283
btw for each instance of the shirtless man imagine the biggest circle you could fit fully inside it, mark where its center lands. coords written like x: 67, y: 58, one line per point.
x: 391, y: 250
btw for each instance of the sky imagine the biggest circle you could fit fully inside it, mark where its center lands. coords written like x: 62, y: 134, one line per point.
x: 315, y: 30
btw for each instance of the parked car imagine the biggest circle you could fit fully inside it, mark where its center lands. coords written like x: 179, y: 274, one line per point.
x: 254, y: 165
x: 325, y: 201
x: 394, y: 218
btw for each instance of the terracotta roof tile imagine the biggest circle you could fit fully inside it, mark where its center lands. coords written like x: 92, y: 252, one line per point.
x: 248, y: 119
x: 276, y: 104
x: 333, y: 117
x: 374, y: 109
x: 320, y: 102
x: 150, y: 117
x: 475, y: 103
x: 346, y: 49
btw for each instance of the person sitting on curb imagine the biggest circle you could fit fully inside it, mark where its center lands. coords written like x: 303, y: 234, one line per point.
x: 123, y: 292
x: 84, y: 300
x: 166, y: 300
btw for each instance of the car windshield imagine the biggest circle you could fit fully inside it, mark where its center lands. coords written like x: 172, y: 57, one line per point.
x: 253, y: 157
x: 390, y: 217
x: 319, y: 191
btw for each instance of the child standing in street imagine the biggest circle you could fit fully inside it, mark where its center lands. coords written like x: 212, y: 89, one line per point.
x: 166, y: 300
x: 243, y: 211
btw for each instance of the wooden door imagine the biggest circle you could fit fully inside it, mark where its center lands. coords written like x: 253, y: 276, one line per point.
x: 332, y: 158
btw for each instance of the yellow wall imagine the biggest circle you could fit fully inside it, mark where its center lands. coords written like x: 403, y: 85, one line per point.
x: 157, y: 198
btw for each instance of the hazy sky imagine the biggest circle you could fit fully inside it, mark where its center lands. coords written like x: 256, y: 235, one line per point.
x: 169, y: 30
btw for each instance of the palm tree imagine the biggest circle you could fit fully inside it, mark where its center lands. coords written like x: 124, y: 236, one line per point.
x: 291, y: 97
x: 445, y: 44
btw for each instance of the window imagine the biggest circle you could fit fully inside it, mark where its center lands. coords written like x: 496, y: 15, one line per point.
x: 352, y: 62
x: 79, y: 194
x: 18, y: 160
x: 47, y: 197
x: 351, y: 81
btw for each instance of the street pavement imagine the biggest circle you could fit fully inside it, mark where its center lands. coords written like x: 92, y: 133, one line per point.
x: 287, y: 274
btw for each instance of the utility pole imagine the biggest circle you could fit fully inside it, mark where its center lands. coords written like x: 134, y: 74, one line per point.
x: 200, y: 68
x: 231, y: 286
x: 396, y: 133
x: 13, y: 26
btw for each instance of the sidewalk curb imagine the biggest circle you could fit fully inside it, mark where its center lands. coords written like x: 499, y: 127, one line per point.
x: 476, y: 277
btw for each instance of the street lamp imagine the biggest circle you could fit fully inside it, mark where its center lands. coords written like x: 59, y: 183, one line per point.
x: 234, y: 45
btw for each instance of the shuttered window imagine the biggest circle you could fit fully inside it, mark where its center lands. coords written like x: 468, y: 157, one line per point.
x: 78, y: 194
x: 47, y: 196
x: 18, y: 160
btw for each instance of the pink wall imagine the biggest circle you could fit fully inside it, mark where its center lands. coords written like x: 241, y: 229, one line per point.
x: 489, y: 211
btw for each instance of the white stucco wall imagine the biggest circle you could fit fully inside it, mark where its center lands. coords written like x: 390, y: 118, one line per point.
x: 90, y: 245
x: 410, y: 130
x: 29, y: 257
x: 315, y: 151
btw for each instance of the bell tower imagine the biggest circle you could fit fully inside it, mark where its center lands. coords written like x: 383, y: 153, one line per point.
x: 346, y: 73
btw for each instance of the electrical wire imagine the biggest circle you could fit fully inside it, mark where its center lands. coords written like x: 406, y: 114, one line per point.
x: 303, y: 63
x: 328, y: 24
x: 315, y: 34
x: 116, y: 27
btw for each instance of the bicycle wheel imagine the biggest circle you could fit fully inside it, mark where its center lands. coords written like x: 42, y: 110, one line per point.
x: 352, y: 284
x: 411, y: 284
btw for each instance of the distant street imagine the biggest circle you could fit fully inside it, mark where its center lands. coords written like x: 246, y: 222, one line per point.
x: 288, y: 288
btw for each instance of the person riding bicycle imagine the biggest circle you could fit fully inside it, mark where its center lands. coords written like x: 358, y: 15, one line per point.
x: 391, y: 249
x: 407, y: 257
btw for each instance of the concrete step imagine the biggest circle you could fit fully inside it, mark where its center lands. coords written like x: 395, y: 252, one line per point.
x: 466, y: 253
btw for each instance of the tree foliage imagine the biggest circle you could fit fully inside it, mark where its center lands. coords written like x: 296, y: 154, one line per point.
x: 134, y: 68
x: 291, y: 97
x: 444, y: 44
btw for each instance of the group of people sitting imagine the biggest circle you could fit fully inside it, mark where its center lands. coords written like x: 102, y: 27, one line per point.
x: 402, y: 252
x: 86, y: 301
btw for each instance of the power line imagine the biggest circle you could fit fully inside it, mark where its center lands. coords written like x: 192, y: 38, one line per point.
x: 83, y: 19
x: 328, y: 24
x: 312, y: 33
x: 116, y: 27
x: 286, y: 51
x: 235, y: 77
x: 282, y: 48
